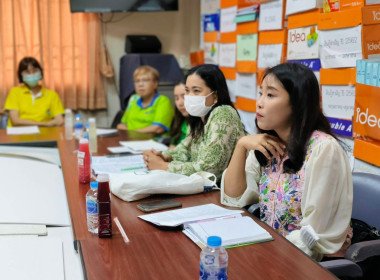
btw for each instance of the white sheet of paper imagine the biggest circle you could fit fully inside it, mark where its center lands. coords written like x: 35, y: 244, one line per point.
x: 211, y: 53
x: 299, y: 46
x: 19, y: 130
x: 246, y: 85
x: 338, y: 101
x: 269, y: 55
x: 227, y: 55
x: 296, y: 6
x: 45, y: 154
x: 210, y: 6
x: 271, y: 15
x: 231, y: 84
x: 227, y: 17
x: 118, y: 164
x: 178, y: 217
x: 248, y: 119
x: 144, y: 145
x: 32, y: 192
x: 121, y: 149
x: 340, y: 47
x: 105, y: 131
x: 22, y: 229
x: 31, y: 258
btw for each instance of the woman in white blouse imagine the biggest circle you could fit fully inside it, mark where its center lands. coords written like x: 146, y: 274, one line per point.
x: 294, y: 167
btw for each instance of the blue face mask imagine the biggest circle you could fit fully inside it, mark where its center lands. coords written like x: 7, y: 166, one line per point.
x: 32, y: 79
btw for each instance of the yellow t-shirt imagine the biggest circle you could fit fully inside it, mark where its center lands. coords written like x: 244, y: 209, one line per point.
x: 42, y: 108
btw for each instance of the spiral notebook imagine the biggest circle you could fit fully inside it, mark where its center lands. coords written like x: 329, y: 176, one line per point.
x: 234, y: 231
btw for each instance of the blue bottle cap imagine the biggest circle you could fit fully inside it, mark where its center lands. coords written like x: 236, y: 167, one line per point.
x: 214, y: 241
x: 78, y: 115
x: 94, y: 185
x: 87, y: 125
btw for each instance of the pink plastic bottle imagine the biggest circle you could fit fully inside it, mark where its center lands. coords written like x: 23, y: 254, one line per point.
x: 104, y: 209
x: 84, y: 161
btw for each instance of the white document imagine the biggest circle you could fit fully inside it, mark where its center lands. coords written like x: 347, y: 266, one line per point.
x: 18, y: 130
x: 211, y: 53
x: 118, y: 164
x: 340, y: 47
x: 227, y: 55
x: 296, y: 6
x: 269, y: 55
x: 233, y: 230
x: 231, y: 84
x: 338, y: 101
x: 227, y: 16
x: 303, y: 43
x: 105, y: 131
x: 144, y: 145
x: 22, y: 229
x: 190, y: 214
x: 122, y: 149
x: 271, y: 15
x: 31, y: 258
x: 32, y: 192
x: 246, y: 85
x: 210, y: 6
x: 50, y: 155
x: 248, y: 119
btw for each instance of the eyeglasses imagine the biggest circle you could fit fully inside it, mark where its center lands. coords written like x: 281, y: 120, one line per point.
x: 143, y: 81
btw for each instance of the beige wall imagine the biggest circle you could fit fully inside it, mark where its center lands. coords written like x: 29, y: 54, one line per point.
x: 178, y: 31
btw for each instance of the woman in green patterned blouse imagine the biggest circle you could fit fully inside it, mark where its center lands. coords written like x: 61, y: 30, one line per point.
x: 215, y: 127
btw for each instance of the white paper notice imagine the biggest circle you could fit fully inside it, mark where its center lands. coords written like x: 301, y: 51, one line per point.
x: 340, y: 47
x: 227, y: 17
x: 246, y: 85
x: 296, y: 6
x: 271, y: 15
x: 231, y: 84
x: 269, y: 55
x: 338, y: 101
x: 210, y: 6
x: 303, y: 43
x: 248, y: 119
x: 211, y: 53
x: 227, y: 55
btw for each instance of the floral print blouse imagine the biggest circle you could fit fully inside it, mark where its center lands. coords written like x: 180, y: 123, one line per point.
x: 212, y: 151
x: 318, y: 195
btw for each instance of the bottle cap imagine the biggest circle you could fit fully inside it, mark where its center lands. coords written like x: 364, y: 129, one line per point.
x: 91, y: 120
x: 87, y: 125
x: 68, y: 111
x: 94, y: 185
x: 214, y: 241
x: 83, y: 141
x: 78, y: 115
x: 102, y: 178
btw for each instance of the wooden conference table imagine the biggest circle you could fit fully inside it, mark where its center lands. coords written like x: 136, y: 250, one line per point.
x: 160, y: 253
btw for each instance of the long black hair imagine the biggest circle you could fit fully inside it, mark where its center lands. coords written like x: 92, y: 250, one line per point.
x: 215, y: 80
x: 176, y: 130
x: 304, y: 97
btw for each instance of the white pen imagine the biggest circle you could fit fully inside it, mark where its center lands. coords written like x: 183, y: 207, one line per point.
x: 125, y: 237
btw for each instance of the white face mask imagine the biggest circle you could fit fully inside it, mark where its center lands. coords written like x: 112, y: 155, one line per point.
x: 196, y: 105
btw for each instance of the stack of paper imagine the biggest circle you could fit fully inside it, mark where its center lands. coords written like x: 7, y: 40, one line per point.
x: 117, y: 164
x: 18, y: 130
x: 234, y: 231
x: 139, y: 146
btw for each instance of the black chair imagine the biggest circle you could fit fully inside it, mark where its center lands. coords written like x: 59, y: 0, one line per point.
x: 117, y: 118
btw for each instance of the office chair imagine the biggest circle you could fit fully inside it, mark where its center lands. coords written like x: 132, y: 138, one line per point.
x: 366, y: 207
x: 117, y: 118
x: 3, y: 121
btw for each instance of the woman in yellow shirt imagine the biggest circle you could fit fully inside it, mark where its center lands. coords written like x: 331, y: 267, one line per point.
x: 32, y: 103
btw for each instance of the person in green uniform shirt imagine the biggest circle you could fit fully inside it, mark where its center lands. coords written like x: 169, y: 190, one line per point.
x: 215, y: 127
x: 31, y: 103
x: 147, y: 111
x: 179, y: 127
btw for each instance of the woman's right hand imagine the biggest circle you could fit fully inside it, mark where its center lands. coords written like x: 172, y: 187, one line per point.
x: 264, y: 143
x: 156, y: 153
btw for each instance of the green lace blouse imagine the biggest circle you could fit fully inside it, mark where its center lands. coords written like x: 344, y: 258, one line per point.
x: 212, y: 151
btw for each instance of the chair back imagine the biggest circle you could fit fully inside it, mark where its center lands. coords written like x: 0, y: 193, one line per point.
x: 366, y: 204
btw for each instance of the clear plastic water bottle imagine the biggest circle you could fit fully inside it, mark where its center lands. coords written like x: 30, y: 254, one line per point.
x: 92, y: 208
x: 78, y: 126
x: 86, y: 133
x: 93, y: 136
x: 214, y: 260
x: 68, y: 124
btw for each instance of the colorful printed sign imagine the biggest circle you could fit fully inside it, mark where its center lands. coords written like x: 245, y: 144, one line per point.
x: 303, y: 43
